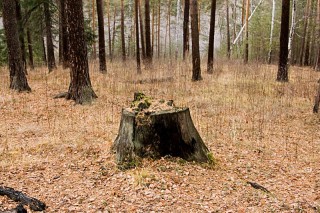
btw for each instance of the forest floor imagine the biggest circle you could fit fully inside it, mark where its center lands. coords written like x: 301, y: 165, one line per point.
x: 257, y: 129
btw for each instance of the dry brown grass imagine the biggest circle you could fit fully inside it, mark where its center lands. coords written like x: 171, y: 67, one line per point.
x: 258, y: 130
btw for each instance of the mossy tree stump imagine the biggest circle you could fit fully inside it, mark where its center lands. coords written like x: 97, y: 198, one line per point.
x: 150, y: 131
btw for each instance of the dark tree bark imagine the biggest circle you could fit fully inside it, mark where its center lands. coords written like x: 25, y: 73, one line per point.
x: 196, y: 70
x: 30, y: 49
x: 148, y: 33
x: 136, y: 10
x: 282, y: 75
x: 143, y: 48
x: 246, y: 50
x: 305, y: 31
x: 21, y: 33
x: 186, y: 28
x: 317, y: 67
x: 80, y: 88
x: 65, y: 33
x: 109, y: 30
x: 102, y: 46
x: 123, y: 41
x: 317, y: 100
x: 58, y: 2
x: 50, y: 48
x: 18, y: 80
x: 211, y: 37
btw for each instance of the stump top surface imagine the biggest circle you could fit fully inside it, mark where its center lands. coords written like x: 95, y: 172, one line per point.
x: 131, y: 112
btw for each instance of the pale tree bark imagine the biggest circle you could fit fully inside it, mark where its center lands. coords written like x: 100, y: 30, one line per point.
x: 94, y: 53
x: 271, y: 30
x: 109, y: 30
x: 114, y: 30
x: 196, y: 70
x: 282, y: 75
x: 159, y: 28
x: 292, y: 29
x: 142, y: 39
x: 211, y: 37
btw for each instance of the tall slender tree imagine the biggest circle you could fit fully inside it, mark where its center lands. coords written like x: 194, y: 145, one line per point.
x: 142, y: 38
x: 102, y: 46
x: 123, y: 42
x: 282, y: 75
x: 80, y: 88
x: 317, y: 67
x: 211, y: 37
x: 148, y: 33
x: 109, y: 30
x: 18, y: 79
x: 65, y: 33
x: 228, y: 30
x: 94, y: 49
x: 137, y: 36
x: 196, y: 69
x: 292, y: 29
x: 246, y: 50
x: 30, y: 49
x: 271, y: 30
x: 186, y: 27
x: 305, y: 31
x: 21, y: 33
x: 50, y: 48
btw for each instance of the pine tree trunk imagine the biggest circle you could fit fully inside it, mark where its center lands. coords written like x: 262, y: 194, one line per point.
x: 94, y: 49
x: 246, y: 50
x: 159, y: 27
x: 50, y: 48
x: 21, y: 33
x: 136, y: 10
x: 305, y: 30
x: 80, y: 88
x: 211, y: 37
x: 30, y: 49
x: 65, y: 33
x: 271, y: 31
x: 177, y: 26
x: 102, y: 46
x: 282, y: 75
x: 196, y: 70
x: 114, y: 30
x: 109, y: 30
x: 143, y: 48
x: 186, y: 28
x: 148, y: 35
x: 123, y: 42
x: 18, y: 80
x: 228, y: 32
x: 317, y: 67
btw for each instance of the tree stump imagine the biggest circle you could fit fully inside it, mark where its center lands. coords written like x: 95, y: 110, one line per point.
x: 156, y: 129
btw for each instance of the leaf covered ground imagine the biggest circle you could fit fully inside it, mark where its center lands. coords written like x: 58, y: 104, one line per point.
x: 258, y: 130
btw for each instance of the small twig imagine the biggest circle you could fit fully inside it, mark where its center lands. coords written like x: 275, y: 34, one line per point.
x: 258, y: 186
x: 61, y: 95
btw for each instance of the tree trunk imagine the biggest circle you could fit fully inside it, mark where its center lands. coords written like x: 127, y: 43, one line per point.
x: 21, y: 34
x: 102, y: 46
x: 65, y: 37
x: 114, y: 30
x: 50, y: 48
x: 246, y: 50
x: 317, y: 67
x: 159, y: 27
x: 148, y: 34
x: 196, y: 70
x: 177, y: 26
x: 80, y: 88
x: 30, y: 49
x: 292, y: 30
x: 317, y: 100
x: 282, y: 75
x: 18, y: 80
x: 186, y: 28
x: 305, y: 30
x: 271, y: 31
x: 136, y: 10
x: 211, y: 37
x: 123, y: 42
x: 94, y: 49
x: 158, y: 134
x: 228, y: 32
x: 143, y: 48
x: 109, y: 30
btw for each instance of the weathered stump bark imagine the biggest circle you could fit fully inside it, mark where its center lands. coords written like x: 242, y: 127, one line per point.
x: 317, y: 100
x: 157, y: 134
